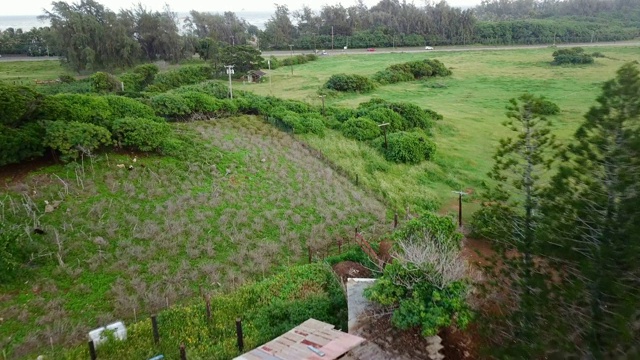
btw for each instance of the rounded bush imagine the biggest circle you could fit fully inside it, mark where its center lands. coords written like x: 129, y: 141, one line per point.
x: 202, y: 103
x: 123, y: 107
x: 546, y: 107
x: 170, y: 106
x: 361, y: 128
x: 213, y: 88
x: 406, y: 147
x: 102, y: 82
x: 349, y: 83
x: 17, y: 104
x: 18, y: 144
x: 140, y: 133
x: 74, y: 138
x: 91, y: 109
x: 383, y: 115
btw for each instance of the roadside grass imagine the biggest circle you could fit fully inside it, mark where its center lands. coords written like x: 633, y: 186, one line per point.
x: 242, y: 200
x: 25, y: 72
x: 472, y: 101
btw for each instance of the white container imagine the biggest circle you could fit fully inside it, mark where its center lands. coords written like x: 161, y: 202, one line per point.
x: 98, y: 336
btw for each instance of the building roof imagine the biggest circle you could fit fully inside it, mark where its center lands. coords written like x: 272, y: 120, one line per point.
x: 294, y: 344
x: 257, y: 72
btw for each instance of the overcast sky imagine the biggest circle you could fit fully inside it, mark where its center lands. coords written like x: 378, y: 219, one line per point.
x: 34, y: 7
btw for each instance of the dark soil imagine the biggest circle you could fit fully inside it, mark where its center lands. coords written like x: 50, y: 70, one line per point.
x: 350, y: 269
x: 13, y: 173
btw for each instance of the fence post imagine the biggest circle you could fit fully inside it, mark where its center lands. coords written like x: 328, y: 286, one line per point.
x: 154, y: 325
x: 339, y: 246
x: 92, y: 350
x: 395, y: 220
x: 183, y: 352
x: 239, y: 333
x: 208, y: 303
x: 309, y: 247
x: 357, y: 180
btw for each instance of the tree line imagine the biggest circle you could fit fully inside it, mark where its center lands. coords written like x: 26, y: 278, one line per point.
x: 89, y: 36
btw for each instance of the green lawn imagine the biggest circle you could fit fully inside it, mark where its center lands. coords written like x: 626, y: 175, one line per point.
x: 472, y: 100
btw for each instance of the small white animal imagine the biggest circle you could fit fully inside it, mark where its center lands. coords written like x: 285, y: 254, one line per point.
x: 120, y: 166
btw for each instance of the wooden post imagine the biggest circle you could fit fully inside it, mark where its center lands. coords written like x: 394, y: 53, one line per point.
x: 154, y: 325
x: 460, y: 210
x: 322, y: 97
x: 395, y: 220
x: 183, y: 352
x: 239, y: 333
x: 384, y: 127
x: 357, y: 180
x: 309, y: 248
x: 208, y: 304
x: 92, y: 350
x: 339, y: 246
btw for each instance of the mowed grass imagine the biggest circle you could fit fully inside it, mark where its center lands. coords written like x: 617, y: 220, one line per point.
x: 472, y: 101
x: 244, y: 200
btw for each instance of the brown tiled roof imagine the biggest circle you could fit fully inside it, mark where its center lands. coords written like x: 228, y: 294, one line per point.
x: 294, y: 345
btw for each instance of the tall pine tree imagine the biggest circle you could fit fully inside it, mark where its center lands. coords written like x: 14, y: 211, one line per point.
x: 594, y: 213
x: 510, y: 218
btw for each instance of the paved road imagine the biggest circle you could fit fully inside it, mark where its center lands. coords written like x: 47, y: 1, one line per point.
x: 390, y: 50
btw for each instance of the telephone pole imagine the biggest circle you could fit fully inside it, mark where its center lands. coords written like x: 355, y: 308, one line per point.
x: 331, y: 37
x: 230, y: 72
x: 291, y: 48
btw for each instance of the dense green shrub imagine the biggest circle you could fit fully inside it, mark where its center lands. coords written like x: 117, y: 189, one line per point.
x: 413, y: 116
x: 140, y: 133
x: 349, y: 83
x: 73, y: 138
x: 102, y: 83
x: 17, y: 104
x: 340, y: 114
x: 201, y: 104
x: 425, y: 284
x: 171, y: 106
x: 75, y: 87
x: 546, y: 107
x: 185, y: 75
x: 214, y: 88
x: 67, y: 79
x: 410, y: 71
x: 139, y: 78
x: 598, y: 54
x: 391, y: 76
x: 82, y: 108
x: 573, y: 56
x: 126, y: 107
x: 406, y: 147
x: 296, y: 123
x: 361, y: 128
x: 21, y: 143
x: 12, y: 250
x: 383, y: 115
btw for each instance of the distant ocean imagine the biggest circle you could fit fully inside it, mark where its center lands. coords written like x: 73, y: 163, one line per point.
x: 26, y: 22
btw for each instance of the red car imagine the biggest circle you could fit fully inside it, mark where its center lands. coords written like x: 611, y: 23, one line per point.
x: 371, y: 49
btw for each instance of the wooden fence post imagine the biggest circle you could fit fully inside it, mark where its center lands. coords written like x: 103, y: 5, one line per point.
x: 208, y: 304
x: 92, y: 350
x: 154, y: 325
x: 309, y: 247
x: 183, y: 352
x: 239, y: 333
x: 357, y: 180
x: 395, y: 220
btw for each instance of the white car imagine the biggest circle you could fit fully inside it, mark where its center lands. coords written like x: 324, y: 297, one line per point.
x: 428, y: 47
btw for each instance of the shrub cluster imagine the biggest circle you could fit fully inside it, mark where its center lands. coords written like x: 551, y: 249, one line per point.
x: 361, y: 128
x: 139, y: 78
x: 412, y: 115
x: 573, y: 56
x: 349, y: 83
x: 102, y: 83
x: 298, y: 123
x: 406, y: 147
x: 185, y: 75
x: 410, y: 71
x: 72, y: 124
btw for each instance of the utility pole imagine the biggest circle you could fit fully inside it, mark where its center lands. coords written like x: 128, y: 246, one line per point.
x: 384, y: 127
x: 233, y: 40
x: 322, y: 97
x: 291, y: 48
x: 460, y: 195
x: 331, y: 37
x: 230, y: 72
x: 270, y: 88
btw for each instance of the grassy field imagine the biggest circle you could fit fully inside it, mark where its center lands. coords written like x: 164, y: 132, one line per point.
x: 472, y: 100
x: 245, y: 199
x: 26, y: 72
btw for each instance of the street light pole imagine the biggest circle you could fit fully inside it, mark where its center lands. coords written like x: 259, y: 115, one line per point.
x: 230, y: 72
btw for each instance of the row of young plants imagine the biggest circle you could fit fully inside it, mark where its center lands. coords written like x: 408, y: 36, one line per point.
x: 409, y: 71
